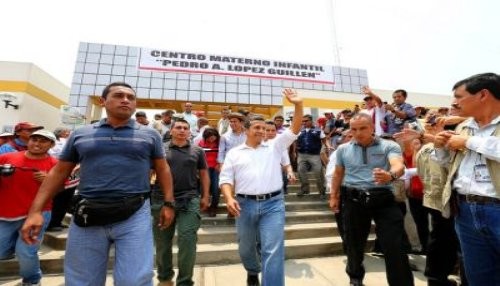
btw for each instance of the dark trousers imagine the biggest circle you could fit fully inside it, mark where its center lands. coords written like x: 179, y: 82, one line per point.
x: 442, y: 249
x: 420, y: 216
x: 339, y: 219
x: 60, y: 205
x: 390, y: 229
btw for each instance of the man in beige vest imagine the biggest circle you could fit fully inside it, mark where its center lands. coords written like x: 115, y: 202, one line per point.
x: 472, y: 190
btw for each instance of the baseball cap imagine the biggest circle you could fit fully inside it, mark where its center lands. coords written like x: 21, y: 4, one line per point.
x: 26, y: 126
x: 45, y: 133
x: 6, y: 134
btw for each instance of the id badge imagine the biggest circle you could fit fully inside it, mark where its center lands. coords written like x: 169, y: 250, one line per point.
x: 481, y: 174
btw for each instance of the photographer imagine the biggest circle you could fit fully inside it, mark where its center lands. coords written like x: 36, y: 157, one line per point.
x: 21, y: 174
x: 399, y: 112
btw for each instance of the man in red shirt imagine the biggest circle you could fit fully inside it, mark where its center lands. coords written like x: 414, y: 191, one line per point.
x: 17, y: 191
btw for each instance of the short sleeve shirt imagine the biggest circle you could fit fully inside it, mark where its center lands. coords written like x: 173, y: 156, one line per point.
x: 185, y: 163
x: 114, y: 161
x: 359, y: 162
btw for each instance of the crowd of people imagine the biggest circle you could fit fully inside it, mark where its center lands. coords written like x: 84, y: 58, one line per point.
x: 134, y: 183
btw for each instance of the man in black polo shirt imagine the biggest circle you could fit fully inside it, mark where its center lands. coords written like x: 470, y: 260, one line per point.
x: 188, y: 168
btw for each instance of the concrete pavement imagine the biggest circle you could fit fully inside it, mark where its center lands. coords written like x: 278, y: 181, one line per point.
x: 327, y: 271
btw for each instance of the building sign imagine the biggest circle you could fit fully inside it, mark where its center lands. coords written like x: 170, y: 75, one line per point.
x: 168, y: 61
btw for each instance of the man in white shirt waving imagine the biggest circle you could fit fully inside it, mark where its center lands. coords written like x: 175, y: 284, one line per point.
x: 253, y: 171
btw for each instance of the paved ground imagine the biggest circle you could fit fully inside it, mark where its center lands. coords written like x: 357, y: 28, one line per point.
x: 327, y: 271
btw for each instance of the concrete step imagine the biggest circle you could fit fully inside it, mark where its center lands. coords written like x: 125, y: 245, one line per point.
x: 290, y: 217
x: 52, y: 261
x: 298, y: 205
x: 222, y: 234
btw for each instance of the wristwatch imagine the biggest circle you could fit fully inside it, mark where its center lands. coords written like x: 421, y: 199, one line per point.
x: 394, y: 177
x: 169, y: 204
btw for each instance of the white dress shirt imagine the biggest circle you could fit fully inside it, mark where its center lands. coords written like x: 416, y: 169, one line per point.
x: 256, y: 171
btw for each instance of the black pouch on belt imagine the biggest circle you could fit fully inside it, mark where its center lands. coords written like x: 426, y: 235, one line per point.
x: 104, y: 211
x: 376, y: 198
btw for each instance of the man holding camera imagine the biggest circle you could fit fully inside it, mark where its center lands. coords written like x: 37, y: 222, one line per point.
x: 21, y: 174
x: 366, y: 168
x: 399, y: 112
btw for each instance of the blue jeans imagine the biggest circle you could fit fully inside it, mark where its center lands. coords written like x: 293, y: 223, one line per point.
x: 87, y: 252
x: 478, y: 229
x: 11, y: 242
x: 214, y: 187
x: 263, y: 222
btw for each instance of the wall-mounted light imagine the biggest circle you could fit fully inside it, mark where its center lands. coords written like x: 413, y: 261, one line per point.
x: 9, y: 98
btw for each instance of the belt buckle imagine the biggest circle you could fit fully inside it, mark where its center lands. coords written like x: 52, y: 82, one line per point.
x: 470, y: 199
x: 261, y: 197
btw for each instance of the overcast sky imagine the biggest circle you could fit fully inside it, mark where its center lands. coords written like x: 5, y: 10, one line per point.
x: 423, y: 46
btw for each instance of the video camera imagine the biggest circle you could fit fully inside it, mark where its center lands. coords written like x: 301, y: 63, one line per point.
x: 8, y: 169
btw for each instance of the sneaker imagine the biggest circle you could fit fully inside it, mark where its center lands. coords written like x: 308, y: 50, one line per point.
x: 252, y: 280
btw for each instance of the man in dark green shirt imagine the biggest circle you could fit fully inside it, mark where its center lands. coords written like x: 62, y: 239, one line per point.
x: 189, y: 172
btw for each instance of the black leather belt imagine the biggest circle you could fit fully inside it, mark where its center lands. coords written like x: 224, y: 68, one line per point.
x: 262, y: 197
x: 478, y: 199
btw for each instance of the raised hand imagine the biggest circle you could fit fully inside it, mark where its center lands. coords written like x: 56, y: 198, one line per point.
x: 366, y: 90
x: 292, y: 96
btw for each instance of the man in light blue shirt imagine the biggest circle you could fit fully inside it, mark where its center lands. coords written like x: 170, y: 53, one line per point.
x: 365, y: 168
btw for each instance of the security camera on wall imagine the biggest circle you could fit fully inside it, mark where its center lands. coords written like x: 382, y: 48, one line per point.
x: 10, y: 100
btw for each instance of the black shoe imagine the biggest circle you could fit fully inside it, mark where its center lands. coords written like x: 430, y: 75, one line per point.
x: 55, y: 228
x: 302, y: 193
x: 356, y: 282
x: 252, y: 280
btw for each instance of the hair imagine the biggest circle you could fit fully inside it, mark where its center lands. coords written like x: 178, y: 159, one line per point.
x: 402, y: 91
x: 253, y: 118
x: 106, y: 90
x: 244, y: 112
x: 478, y: 82
x: 210, y: 131
x: 309, y: 116
x: 279, y: 116
x: 180, y: 120
x: 202, y: 120
x: 363, y: 116
x: 60, y: 130
x: 270, y: 122
x: 168, y: 112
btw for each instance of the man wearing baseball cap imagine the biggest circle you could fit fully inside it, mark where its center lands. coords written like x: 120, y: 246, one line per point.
x: 22, y: 132
x: 19, y: 185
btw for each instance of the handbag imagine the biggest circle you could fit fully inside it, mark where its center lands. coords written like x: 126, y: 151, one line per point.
x: 103, y: 211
